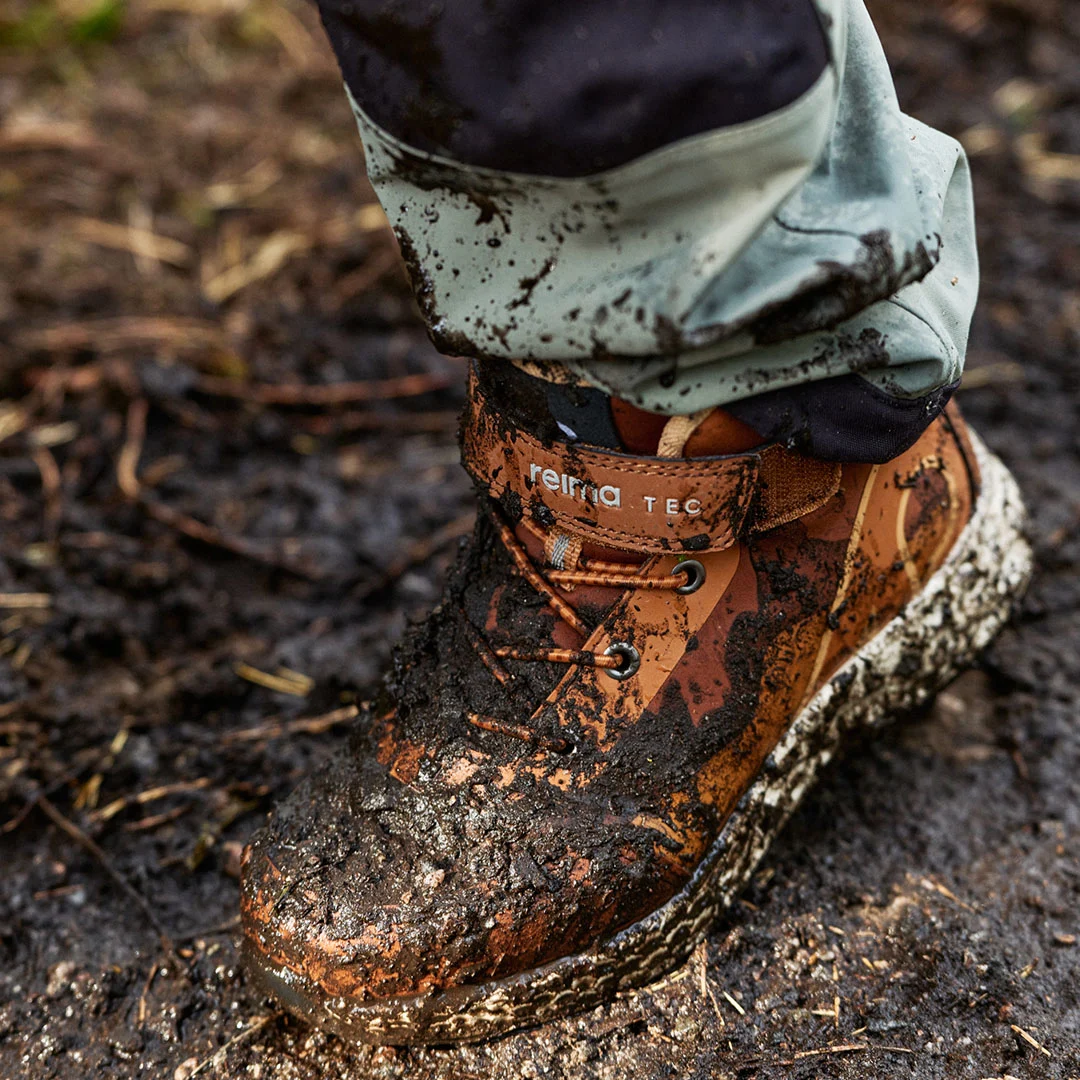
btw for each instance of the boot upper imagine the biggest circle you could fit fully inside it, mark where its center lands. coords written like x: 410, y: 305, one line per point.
x: 556, y: 748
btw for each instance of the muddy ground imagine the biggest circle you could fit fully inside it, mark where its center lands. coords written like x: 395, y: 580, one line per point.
x: 189, y: 260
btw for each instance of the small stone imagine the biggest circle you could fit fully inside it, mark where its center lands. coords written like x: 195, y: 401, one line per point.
x: 232, y: 852
x: 185, y: 1069
x: 59, y: 978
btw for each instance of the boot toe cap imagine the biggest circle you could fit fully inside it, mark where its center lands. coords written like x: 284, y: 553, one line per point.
x: 405, y: 889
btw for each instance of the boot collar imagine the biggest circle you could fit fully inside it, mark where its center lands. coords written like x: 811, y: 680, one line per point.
x: 635, y: 503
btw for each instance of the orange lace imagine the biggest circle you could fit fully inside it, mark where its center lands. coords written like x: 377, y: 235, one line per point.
x: 589, y: 572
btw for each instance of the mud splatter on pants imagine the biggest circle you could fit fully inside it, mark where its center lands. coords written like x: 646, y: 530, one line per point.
x: 682, y: 204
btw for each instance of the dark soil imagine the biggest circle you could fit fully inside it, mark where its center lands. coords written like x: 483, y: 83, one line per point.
x: 184, y: 219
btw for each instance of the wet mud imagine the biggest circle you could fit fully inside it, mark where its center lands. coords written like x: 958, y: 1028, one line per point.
x: 208, y: 584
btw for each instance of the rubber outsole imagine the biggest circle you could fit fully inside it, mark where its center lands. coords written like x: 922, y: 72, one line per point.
x: 939, y: 633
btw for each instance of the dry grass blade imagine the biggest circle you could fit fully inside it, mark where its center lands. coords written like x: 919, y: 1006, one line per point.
x: 283, y: 682
x: 219, y: 1055
x: 139, y: 242
x: 934, y: 886
x: 141, y: 798
x: 12, y: 420
x: 733, y: 1003
x: 128, y: 461
x: 257, y: 180
x: 271, y: 256
x: 843, y: 1048
x: 45, y: 135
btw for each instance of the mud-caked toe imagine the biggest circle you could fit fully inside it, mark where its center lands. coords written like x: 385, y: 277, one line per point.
x: 477, y: 866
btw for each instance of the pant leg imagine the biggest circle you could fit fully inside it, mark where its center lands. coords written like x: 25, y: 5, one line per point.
x: 684, y: 205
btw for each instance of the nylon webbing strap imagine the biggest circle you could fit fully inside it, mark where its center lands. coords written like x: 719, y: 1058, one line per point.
x: 639, y: 503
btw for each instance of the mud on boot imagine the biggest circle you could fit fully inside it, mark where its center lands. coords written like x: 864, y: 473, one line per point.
x: 638, y: 666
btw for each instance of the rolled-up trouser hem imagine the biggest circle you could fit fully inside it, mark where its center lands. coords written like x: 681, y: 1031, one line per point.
x: 828, y: 244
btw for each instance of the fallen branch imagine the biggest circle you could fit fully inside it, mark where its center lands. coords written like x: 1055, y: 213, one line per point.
x: 329, y: 394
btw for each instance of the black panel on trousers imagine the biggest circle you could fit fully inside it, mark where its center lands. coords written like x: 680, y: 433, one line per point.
x: 844, y: 418
x: 570, y: 89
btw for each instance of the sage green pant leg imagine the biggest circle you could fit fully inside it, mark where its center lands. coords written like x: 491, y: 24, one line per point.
x: 832, y: 237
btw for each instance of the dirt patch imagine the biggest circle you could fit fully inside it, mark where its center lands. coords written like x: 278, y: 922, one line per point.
x: 197, y: 582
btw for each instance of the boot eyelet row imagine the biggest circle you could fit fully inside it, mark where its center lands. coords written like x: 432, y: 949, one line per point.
x: 630, y: 656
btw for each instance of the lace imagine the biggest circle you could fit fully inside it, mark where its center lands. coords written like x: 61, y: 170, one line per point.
x: 620, y: 660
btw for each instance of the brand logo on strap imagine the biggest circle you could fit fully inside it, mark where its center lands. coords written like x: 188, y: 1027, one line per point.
x: 576, y: 488
x: 609, y: 495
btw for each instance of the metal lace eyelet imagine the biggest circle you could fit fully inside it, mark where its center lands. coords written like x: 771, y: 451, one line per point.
x: 695, y: 575
x: 630, y: 656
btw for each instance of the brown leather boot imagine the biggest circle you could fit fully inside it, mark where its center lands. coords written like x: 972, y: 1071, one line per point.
x: 638, y: 667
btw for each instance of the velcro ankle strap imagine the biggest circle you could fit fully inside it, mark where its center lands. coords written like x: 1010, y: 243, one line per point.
x: 640, y: 503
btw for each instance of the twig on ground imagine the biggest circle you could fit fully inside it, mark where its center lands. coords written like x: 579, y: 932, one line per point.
x: 209, y: 534
x: 700, y: 956
x: 844, y: 1048
x: 127, y: 475
x: 210, y: 931
x: 21, y: 600
x: 219, y: 1055
x: 308, y: 725
x: 122, y: 333
x: 331, y: 394
x: 80, y: 837
x: 145, y: 992
x: 374, y: 269
x: 153, y: 821
x: 1030, y: 1040
x: 141, y: 798
x: 404, y: 422
x: 52, y: 489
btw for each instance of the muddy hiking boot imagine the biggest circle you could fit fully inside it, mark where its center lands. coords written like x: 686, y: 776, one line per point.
x: 656, y: 637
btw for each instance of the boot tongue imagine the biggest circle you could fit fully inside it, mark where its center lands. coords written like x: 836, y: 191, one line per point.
x: 713, y: 433
x: 589, y: 416
x: 721, y: 433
